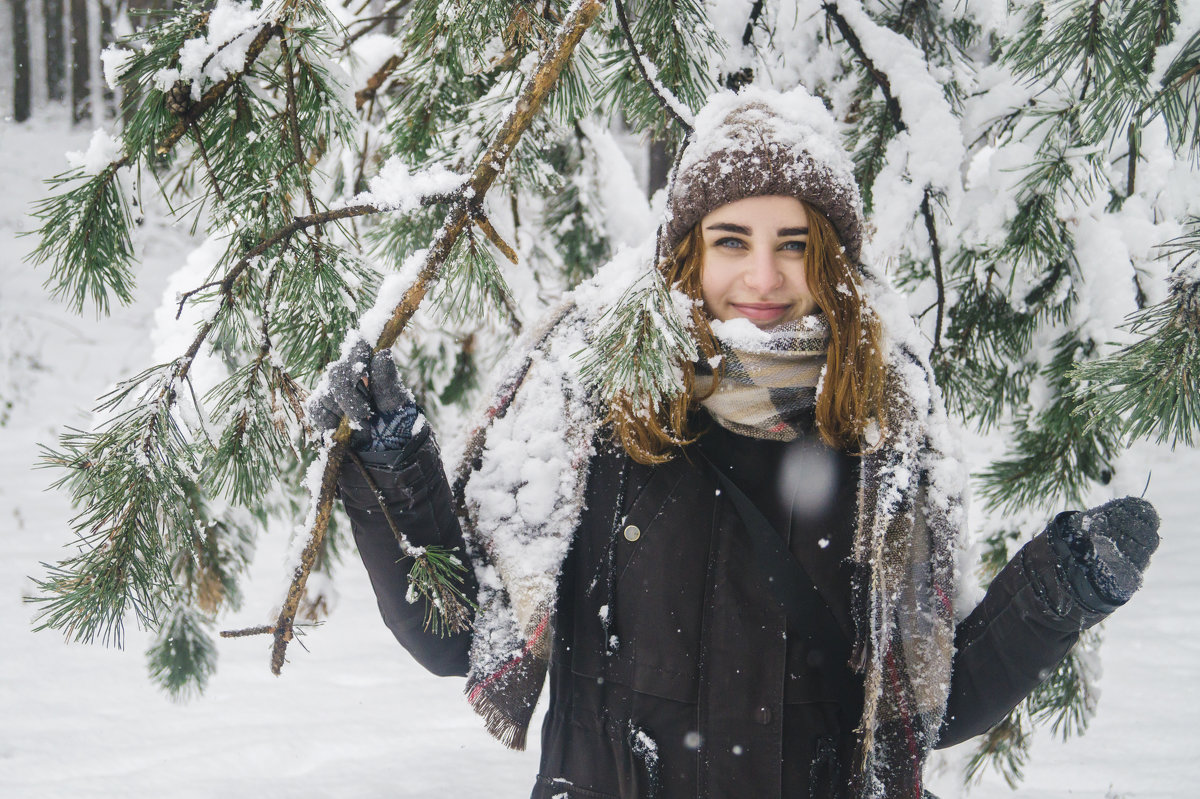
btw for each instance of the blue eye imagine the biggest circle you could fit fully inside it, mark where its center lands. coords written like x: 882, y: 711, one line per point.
x: 794, y: 246
x: 729, y: 241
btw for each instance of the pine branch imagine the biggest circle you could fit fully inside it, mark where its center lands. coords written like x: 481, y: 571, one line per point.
x: 936, y: 251
x: 895, y: 113
x: 294, y: 125
x: 535, y: 90
x: 1151, y: 388
x: 93, y: 258
x: 879, y: 76
x: 375, y: 82
x: 216, y: 91
x: 670, y: 105
x: 485, y: 225
x: 638, y: 345
x: 677, y: 42
x: 85, y: 234
x: 298, y: 224
x: 183, y: 656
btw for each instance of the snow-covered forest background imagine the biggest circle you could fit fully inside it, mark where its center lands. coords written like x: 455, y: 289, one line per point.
x: 1000, y: 163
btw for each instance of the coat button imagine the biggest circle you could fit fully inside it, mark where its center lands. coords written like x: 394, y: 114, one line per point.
x: 632, y: 533
x: 763, y: 715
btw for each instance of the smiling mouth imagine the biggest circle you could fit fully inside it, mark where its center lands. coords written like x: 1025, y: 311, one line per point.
x: 761, y: 311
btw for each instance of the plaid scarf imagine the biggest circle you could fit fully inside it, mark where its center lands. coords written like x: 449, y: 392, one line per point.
x: 768, y: 379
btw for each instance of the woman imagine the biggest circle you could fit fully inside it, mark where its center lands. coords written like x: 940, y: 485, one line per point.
x: 743, y: 589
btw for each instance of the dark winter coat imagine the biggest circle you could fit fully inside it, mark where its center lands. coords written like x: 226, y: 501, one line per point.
x: 698, y: 686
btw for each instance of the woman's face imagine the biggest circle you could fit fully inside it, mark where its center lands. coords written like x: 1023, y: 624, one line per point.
x: 753, y: 261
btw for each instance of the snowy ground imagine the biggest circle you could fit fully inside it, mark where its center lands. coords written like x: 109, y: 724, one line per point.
x: 352, y: 716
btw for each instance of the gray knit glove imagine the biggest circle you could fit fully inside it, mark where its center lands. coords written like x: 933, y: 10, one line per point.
x: 382, y: 411
x: 1110, y: 547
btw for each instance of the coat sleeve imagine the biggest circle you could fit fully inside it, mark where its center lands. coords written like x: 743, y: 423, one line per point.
x: 414, y: 488
x: 1013, y: 640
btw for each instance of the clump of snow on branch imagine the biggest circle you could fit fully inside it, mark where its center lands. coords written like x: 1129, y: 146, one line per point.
x: 221, y: 51
x: 115, y: 61
x: 102, y: 150
x: 677, y: 106
x: 175, y: 328
x: 396, y: 188
x: 395, y: 285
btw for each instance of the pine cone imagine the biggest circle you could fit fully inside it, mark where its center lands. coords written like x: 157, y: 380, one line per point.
x: 179, y: 98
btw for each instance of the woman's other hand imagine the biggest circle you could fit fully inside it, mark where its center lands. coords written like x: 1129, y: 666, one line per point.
x: 366, y: 388
x: 1106, y: 549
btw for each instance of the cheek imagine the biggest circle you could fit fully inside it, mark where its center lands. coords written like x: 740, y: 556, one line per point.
x: 795, y: 273
x: 713, y: 284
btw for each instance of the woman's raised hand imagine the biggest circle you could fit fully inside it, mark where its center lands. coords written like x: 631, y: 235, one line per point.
x: 366, y: 388
x: 1111, y: 546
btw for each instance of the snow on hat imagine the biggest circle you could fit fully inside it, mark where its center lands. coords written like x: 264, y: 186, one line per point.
x: 759, y: 142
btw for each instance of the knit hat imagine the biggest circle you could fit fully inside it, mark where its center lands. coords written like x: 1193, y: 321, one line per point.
x: 760, y: 142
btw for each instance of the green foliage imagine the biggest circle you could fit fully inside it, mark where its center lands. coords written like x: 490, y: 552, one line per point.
x: 869, y: 138
x: 674, y: 37
x: 130, y: 478
x: 85, y: 235
x: 1178, y: 101
x: 252, y: 448
x: 322, y: 289
x: 1017, y: 297
x: 473, y: 286
x: 639, y: 342
x: 142, y: 476
x: 571, y: 213
x: 1151, y: 388
x: 1057, y: 434
x: 436, y: 576
x: 155, y: 47
x: 184, y: 656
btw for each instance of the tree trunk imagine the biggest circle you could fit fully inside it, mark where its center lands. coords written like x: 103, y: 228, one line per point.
x: 36, y: 14
x: 95, y: 73
x: 56, y: 49
x: 661, y: 159
x: 110, y: 94
x: 21, y: 64
x: 80, y: 66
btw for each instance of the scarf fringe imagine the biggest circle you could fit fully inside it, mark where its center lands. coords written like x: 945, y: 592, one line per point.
x: 510, y: 732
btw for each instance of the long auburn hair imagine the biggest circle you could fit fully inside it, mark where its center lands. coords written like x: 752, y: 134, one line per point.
x: 851, y: 391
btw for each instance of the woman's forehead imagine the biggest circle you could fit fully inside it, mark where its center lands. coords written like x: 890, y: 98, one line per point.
x: 762, y: 212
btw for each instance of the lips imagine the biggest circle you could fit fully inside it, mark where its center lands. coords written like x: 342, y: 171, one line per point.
x: 761, y: 311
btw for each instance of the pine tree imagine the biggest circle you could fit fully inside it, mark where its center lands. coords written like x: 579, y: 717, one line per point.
x: 1030, y: 180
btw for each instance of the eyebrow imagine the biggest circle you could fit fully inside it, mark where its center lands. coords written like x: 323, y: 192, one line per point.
x: 745, y: 231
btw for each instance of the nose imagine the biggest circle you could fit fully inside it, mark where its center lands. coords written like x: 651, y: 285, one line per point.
x: 763, y: 274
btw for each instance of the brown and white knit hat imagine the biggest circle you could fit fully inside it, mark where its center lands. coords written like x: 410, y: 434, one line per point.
x: 760, y: 142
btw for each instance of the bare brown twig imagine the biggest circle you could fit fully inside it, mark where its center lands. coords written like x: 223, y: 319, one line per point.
x: 494, y: 237
x: 375, y: 82
x: 374, y: 22
x: 264, y: 629
x: 293, y: 124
